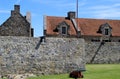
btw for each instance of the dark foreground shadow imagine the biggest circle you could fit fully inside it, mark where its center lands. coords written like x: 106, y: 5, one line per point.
x: 42, y: 39
x: 92, y: 60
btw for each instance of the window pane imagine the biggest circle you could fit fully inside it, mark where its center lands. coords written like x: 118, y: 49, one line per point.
x: 63, y: 30
x: 106, y: 32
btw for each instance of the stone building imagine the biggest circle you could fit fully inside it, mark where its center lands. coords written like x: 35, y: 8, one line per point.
x: 16, y: 24
x: 102, y: 36
x: 20, y: 55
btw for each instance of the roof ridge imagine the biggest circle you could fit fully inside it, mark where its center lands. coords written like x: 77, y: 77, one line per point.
x: 87, y: 18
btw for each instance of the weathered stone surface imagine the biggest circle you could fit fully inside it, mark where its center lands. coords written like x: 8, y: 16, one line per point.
x: 16, y: 25
x: 29, y: 55
x: 107, y: 53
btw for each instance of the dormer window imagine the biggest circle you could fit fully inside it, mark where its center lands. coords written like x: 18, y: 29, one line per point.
x: 62, y: 28
x: 105, y: 29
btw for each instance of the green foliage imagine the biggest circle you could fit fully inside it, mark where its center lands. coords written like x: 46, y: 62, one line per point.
x: 93, y: 71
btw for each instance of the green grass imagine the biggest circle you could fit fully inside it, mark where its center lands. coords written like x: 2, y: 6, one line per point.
x: 105, y: 71
x: 3, y: 78
x: 93, y: 71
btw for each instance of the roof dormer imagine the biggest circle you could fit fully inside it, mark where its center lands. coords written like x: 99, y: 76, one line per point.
x: 62, y: 28
x: 105, y: 29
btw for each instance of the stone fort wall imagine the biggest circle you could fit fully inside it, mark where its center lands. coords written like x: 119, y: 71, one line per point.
x: 19, y: 55
x: 106, y: 53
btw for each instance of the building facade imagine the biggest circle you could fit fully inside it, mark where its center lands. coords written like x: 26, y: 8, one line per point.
x: 16, y: 24
x: 102, y: 36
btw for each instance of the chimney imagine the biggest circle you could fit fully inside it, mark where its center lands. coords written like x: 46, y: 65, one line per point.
x: 71, y: 15
x: 45, y: 24
x: 12, y: 13
x: 28, y: 17
x: 17, y: 8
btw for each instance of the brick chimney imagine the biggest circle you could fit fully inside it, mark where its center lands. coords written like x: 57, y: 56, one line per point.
x: 28, y: 17
x: 71, y: 15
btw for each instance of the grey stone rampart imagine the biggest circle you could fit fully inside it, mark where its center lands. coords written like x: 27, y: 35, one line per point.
x: 107, y: 53
x: 19, y: 55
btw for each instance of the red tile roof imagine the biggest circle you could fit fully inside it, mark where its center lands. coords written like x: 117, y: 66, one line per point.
x: 88, y: 27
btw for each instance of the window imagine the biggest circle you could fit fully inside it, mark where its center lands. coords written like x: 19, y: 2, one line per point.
x: 95, y: 40
x: 105, y: 29
x: 64, y: 30
x: 106, y: 32
x: 107, y: 40
x: 118, y: 40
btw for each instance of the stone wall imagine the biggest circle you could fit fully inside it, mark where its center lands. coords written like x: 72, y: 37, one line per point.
x: 20, y: 55
x: 97, y: 52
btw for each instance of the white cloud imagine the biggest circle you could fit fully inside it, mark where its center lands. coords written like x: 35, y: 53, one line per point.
x: 112, y: 0
x: 105, y: 11
x: 4, y: 11
x: 117, y: 5
x: 96, y: 9
x: 59, y: 3
x: 52, y: 2
x: 106, y: 14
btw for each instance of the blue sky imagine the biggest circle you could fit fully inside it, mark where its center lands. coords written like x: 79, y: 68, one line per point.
x: 102, y: 9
